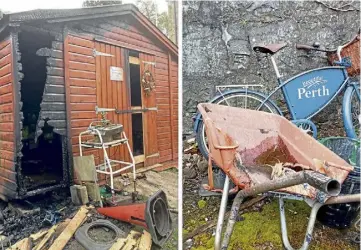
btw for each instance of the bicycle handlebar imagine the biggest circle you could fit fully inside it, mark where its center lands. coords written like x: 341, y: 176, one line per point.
x: 338, y: 50
x: 310, y: 47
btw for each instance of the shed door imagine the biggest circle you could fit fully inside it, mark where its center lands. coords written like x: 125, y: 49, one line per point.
x: 112, y: 91
x: 147, y: 74
x: 116, y: 77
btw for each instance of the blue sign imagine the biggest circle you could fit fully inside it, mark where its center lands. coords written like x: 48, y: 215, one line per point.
x: 309, y: 92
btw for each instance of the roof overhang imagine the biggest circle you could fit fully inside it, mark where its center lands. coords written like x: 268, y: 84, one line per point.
x: 68, y: 15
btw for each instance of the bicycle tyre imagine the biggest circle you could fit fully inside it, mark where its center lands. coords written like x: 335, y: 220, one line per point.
x: 200, y: 136
x: 347, y: 112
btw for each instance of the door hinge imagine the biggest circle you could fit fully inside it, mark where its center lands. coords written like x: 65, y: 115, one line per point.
x: 98, y: 53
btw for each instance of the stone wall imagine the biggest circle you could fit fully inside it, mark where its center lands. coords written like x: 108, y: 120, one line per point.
x: 218, y: 37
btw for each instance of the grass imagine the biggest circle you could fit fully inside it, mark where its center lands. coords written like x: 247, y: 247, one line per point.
x: 261, y: 230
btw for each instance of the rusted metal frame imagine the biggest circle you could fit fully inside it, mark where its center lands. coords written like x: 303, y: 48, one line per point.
x: 67, y: 103
x: 171, y: 108
x: 317, y: 180
x: 16, y: 78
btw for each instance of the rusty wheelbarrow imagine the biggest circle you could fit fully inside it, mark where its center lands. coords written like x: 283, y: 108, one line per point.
x: 262, y: 152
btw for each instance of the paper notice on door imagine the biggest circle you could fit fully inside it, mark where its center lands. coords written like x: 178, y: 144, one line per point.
x: 116, y: 74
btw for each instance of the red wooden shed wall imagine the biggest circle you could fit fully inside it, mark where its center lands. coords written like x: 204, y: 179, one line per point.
x: 82, y: 81
x: 7, y: 138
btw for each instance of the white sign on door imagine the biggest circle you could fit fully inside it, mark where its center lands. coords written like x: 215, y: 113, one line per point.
x: 116, y: 73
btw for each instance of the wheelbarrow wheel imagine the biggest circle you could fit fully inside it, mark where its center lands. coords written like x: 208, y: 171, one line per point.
x: 241, y: 99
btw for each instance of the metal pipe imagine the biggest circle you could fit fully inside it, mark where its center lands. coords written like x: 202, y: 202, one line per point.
x: 315, y: 179
x: 222, y: 211
x: 310, y: 226
x: 311, y: 222
x: 275, y: 67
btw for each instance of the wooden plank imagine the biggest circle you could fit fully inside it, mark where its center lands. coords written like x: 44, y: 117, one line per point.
x: 81, y: 74
x: 47, y: 237
x: 77, y: 82
x: 81, y: 66
x: 124, y: 103
x: 131, y: 241
x: 83, y: 90
x: 5, y: 60
x: 145, y: 242
x: 81, y: 42
x: 80, y: 50
x: 119, y: 244
x: 68, y: 232
x: 5, y: 70
x: 24, y: 244
x: 145, y: 169
x: 81, y: 58
x: 5, y: 43
x: 82, y: 98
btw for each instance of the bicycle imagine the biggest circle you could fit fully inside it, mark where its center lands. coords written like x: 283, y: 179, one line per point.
x: 306, y: 94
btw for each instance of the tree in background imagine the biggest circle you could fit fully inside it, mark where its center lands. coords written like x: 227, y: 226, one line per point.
x: 93, y: 3
x: 164, y: 21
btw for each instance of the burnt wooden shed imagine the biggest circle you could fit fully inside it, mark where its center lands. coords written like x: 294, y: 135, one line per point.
x: 56, y: 66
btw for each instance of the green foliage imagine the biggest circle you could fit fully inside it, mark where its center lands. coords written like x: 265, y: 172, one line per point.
x: 202, y: 204
x: 94, y: 3
x: 165, y: 21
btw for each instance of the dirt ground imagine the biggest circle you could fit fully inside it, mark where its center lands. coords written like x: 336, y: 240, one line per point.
x: 154, y: 181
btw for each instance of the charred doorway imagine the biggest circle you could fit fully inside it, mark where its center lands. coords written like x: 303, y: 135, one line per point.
x: 41, y: 163
x: 136, y: 104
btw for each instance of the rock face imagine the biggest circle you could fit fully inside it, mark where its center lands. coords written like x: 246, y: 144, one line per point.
x: 218, y: 38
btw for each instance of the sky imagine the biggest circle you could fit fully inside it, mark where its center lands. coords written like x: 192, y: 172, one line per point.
x: 24, y: 5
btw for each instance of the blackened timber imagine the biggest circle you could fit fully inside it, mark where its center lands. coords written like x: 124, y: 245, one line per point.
x: 55, y: 71
x: 55, y: 80
x: 55, y: 89
x: 52, y: 106
x: 53, y: 97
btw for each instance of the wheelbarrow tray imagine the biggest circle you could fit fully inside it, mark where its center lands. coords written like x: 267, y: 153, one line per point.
x: 244, y: 142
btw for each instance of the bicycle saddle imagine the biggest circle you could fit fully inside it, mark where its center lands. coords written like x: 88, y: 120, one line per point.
x: 269, y: 48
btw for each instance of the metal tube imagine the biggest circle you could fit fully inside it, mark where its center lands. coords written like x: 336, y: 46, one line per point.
x: 222, y: 211
x: 310, y: 225
x: 315, y: 179
x: 275, y: 67
x: 344, y: 199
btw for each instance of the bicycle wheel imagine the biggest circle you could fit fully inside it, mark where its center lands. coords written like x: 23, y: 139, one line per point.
x: 241, y: 99
x: 351, y: 112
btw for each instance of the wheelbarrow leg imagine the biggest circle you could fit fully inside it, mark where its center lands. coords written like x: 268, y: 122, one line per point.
x: 222, y: 212
x: 310, y: 226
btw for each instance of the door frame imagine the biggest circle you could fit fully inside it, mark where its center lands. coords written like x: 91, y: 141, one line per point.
x: 136, y: 61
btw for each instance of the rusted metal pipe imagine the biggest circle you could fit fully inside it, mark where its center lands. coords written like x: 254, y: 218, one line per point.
x: 317, y: 180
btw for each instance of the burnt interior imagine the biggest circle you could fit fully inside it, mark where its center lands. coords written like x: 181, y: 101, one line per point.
x: 135, y: 86
x: 42, y: 157
x: 136, y: 101
x: 137, y: 130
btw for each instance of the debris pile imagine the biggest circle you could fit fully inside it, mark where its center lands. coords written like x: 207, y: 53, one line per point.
x: 194, y: 163
x: 19, y: 219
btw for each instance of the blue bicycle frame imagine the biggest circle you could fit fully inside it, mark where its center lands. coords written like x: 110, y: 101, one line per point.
x: 307, y: 93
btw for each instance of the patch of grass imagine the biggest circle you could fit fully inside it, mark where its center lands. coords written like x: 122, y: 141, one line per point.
x: 262, y: 230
